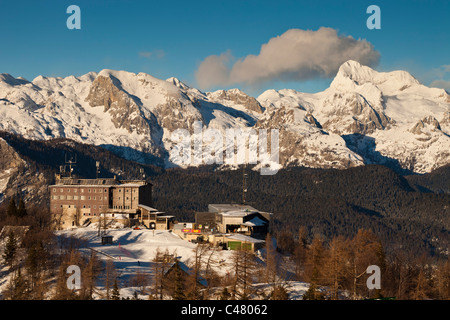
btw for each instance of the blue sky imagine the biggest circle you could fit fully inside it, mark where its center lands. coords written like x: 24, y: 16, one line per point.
x: 172, y: 38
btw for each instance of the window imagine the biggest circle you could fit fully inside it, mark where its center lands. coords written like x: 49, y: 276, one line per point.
x: 89, y: 190
x: 54, y: 189
x: 82, y: 190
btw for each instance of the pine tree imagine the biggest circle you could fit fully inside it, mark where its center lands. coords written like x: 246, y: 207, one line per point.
x: 279, y: 293
x: 300, y: 253
x: 115, y: 295
x: 18, y: 287
x: 225, y: 295
x: 313, y: 293
x: 35, y: 263
x: 12, y: 208
x: 21, y: 210
x: 271, y: 261
x: 10, y: 251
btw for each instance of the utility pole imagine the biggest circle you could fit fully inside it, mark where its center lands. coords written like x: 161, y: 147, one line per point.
x: 244, y: 184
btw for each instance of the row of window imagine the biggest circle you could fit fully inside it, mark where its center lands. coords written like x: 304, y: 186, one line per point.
x: 121, y: 207
x: 94, y: 206
x: 76, y: 198
x: 75, y: 190
x: 85, y: 206
x: 84, y: 198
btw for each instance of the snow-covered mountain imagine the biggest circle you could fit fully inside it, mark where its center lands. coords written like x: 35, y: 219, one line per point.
x: 364, y: 116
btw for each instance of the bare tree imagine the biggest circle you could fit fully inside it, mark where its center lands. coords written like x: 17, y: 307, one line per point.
x: 244, y: 264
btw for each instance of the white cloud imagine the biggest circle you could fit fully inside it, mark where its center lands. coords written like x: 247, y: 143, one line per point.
x: 441, y: 84
x: 296, y: 55
x: 158, y: 54
x: 441, y: 73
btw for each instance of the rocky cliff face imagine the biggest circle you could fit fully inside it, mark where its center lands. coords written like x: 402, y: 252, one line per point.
x: 16, y: 177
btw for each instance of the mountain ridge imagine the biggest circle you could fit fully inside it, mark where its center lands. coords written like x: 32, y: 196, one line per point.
x: 364, y: 117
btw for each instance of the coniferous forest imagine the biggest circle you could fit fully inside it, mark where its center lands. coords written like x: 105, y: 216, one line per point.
x: 322, y: 218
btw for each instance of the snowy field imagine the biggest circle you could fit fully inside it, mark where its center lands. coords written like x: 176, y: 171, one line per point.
x: 132, y: 252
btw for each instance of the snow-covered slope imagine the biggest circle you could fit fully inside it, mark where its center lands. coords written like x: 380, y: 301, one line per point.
x: 364, y: 116
x: 385, y: 117
x: 133, y: 251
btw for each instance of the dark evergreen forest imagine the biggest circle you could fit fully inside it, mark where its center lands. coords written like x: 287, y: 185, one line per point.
x: 410, y: 213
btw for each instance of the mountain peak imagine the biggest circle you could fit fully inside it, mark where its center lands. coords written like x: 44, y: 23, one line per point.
x: 356, y: 71
x: 9, y: 79
x: 353, y: 73
x: 175, y: 81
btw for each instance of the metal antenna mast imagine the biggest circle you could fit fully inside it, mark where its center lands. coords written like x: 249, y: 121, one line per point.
x: 71, y: 163
x: 97, y: 165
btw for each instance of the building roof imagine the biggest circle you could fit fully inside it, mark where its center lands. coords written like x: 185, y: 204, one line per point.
x: 244, y: 238
x: 188, y: 271
x: 149, y: 209
x: 254, y: 222
x: 226, y: 207
x: 235, y: 213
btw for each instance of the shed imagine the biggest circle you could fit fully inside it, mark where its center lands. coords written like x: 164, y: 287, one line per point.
x: 107, y: 239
